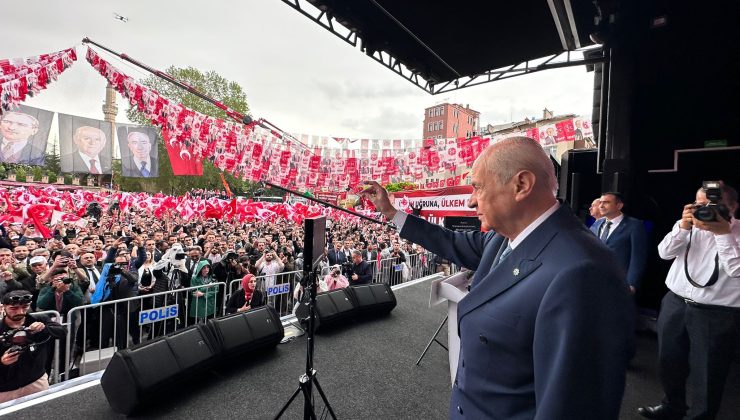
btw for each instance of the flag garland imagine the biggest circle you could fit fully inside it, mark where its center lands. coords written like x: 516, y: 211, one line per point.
x: 23, y: 77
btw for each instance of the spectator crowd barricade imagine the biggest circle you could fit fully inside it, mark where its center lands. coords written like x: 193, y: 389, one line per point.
x: 114, y: 325
x: 96, y: 331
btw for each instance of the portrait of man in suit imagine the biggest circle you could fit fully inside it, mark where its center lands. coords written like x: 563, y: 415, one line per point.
x: 547, y: 329
x: 138, y: 152
x: 23, y: 136
x: 624, y: 235
x: 88, y: 150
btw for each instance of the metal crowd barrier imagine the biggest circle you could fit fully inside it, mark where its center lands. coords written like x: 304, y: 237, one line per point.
x: 56, y: 317
x: 136, y: 319
x: 281, y: 285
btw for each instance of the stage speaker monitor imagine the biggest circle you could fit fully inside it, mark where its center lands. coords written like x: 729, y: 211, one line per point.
x: 153, y: 370
x: 256, y: 329
x: 332, y: 308
x: 373, y: 299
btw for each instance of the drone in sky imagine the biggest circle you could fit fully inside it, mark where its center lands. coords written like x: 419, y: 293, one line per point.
x: 123, y: 19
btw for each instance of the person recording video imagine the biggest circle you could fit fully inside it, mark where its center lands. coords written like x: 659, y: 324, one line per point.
x: 333, y: 280
x: 699, y: 320
x: 25, y: 340
x: 361, y: 271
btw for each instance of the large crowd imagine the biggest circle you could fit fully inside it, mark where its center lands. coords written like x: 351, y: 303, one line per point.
x: 109, y: 257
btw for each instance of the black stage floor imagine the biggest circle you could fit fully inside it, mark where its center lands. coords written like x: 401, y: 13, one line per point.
x: 366, y: 368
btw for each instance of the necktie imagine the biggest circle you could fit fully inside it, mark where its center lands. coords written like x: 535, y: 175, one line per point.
x: 94, y: 167
x: 503, y: 255
x: 92, y: 275
x: 144, y: 170
x: 605, y: 231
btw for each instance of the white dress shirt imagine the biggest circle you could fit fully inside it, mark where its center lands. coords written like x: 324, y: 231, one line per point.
x: 87, y: 159
x: 148, y: 162
x: 615, y: 222
x: 704, y: 246
x: 400, y: 218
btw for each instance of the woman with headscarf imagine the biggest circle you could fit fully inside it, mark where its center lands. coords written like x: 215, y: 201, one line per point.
x: 203, y: 299
x: 247, y: 297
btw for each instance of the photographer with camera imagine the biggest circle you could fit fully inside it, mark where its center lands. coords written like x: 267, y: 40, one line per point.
x: 361, y: 272
x: 115, y: 282
x: 24, y: 341
x: 61, y: 295
x: 333, y: 280
x: 699, y: 321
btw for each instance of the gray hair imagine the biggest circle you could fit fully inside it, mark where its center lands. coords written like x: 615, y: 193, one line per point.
x: 509, y: 156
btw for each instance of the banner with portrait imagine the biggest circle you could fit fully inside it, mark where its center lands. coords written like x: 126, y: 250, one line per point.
x: 139, y: 152
x: 84, y: 145
x: 24, y: 133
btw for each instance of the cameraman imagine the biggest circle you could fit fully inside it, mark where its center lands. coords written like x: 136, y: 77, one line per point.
x: 699, y: 321
x: 362, y: 271
x: 22, y: 371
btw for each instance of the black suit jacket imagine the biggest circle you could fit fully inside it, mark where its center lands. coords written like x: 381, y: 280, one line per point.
x: 129, y: 168
x: 79, y: 166
x: 30, y: 154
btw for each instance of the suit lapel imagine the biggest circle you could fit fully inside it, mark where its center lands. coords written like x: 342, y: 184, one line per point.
x: 618, y: 230
x: 522, y: 262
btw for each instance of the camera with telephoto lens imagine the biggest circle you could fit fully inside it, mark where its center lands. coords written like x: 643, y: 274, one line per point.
x: 67, y: 280
x: 116, y: 269
x: 17, y: 341
x: 180, y: 256
x: 709, y: 212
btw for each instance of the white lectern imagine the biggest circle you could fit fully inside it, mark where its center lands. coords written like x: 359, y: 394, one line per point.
x: 452, y: 289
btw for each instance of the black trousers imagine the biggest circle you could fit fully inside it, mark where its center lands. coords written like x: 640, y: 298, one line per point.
x: 698, y: 341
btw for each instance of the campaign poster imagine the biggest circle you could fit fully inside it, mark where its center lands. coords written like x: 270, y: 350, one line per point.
x: 24, y: 133
x: 84, y: 145
x: 139, y: 152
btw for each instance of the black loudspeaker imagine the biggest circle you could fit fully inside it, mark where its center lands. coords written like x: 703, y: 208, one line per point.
x: 154, y: 370
x: 147, y: 372
x: 372, y: 299
x: 332, y: 308
x: 247, y: 331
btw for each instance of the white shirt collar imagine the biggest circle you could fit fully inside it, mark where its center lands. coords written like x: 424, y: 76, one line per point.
x: 148, y: 162
x: 87, y: 159
x: 615, y: 221
x: 532, y: 226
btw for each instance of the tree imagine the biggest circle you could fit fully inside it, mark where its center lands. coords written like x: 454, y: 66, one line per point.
x: 212, y: 85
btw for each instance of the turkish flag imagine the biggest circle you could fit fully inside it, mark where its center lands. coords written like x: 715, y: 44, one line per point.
x: 39, y: 215
x: 182, y: 160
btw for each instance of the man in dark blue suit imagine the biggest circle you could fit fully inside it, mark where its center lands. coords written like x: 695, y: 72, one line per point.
x: 546, y: 331
x: 338, y: 255
x: 624, y: 235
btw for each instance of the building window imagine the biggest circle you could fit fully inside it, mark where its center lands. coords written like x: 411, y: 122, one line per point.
x: 431, y: 110
x: 431, y: 125
x: 441, y: 125
x: 441, y: 110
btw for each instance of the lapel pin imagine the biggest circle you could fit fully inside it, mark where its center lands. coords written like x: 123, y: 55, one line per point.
x: 516, y: 271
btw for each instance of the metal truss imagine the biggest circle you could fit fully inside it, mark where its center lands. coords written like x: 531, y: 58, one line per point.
x: 340, y: 28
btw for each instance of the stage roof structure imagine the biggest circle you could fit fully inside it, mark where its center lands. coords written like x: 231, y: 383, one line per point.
x: 443, y: 46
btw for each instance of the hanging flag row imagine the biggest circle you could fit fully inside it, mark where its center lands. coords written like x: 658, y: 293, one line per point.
x: 23, y: 77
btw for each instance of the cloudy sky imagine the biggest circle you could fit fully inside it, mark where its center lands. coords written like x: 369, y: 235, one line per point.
x: 295, y: 74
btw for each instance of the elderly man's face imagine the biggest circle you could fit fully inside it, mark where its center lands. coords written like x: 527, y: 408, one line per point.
x: 18, y: 127
x: 594, y: 210
x: 90, y: 140
x: 489, y: 198
x: 139, y: 145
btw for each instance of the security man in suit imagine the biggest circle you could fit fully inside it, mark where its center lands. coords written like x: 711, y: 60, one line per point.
x: 546, y: 331
x: 624, y: 235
